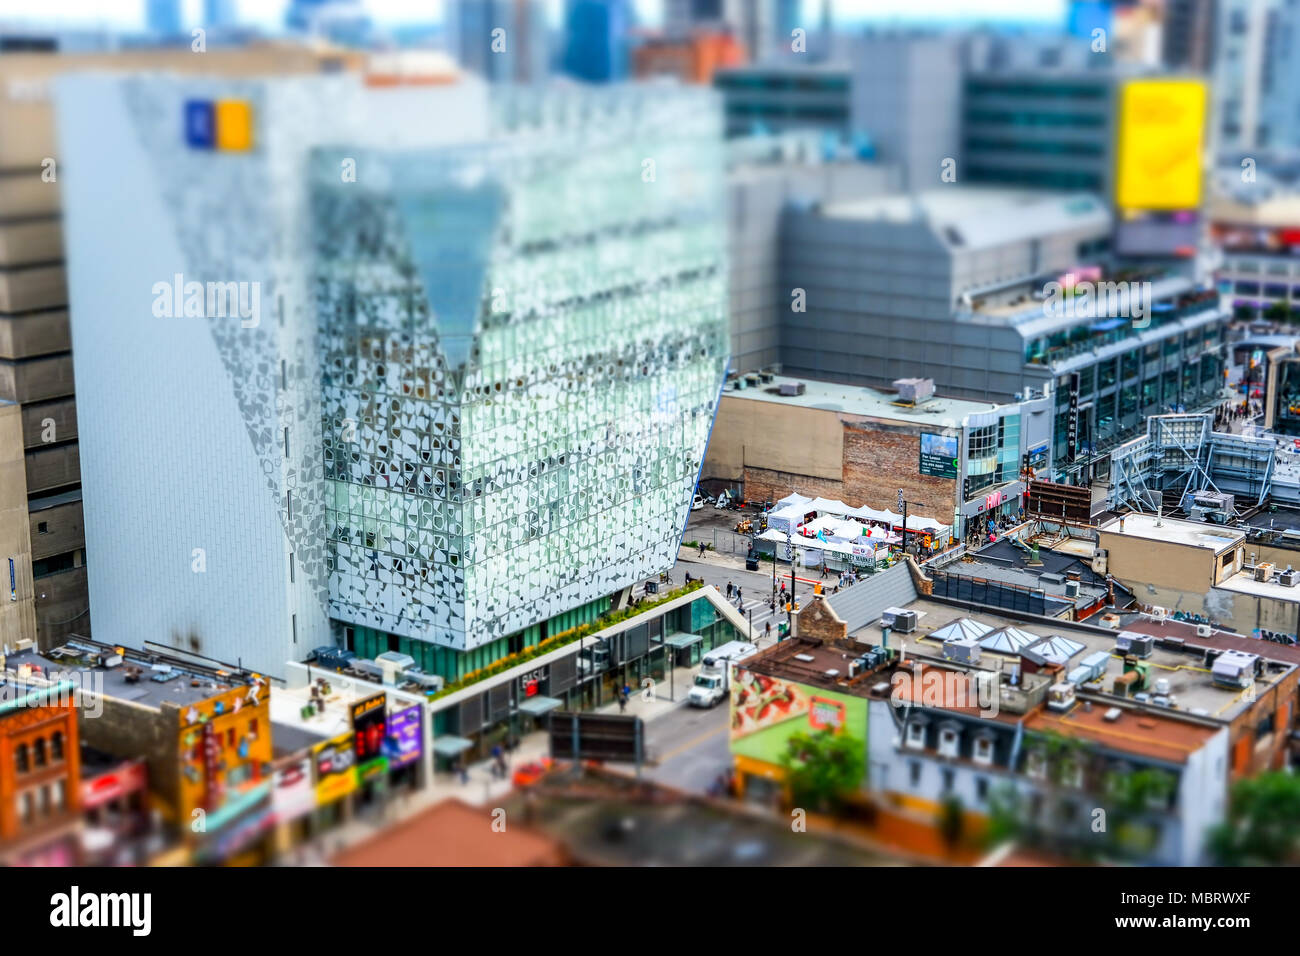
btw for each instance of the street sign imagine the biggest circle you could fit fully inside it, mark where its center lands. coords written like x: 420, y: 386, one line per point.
x: 597, y: 737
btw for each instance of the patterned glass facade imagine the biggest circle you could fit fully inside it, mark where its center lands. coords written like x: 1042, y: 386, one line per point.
x: 523, y: 346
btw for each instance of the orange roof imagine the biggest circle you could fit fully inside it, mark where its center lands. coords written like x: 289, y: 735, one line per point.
x: 1142, y: 734
x: 453, y: 833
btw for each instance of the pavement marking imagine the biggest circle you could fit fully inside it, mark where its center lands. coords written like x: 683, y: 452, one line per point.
x: 691, y: 744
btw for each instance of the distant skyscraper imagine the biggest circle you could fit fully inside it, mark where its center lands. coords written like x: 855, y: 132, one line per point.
x: 504, y: 41
x: 220, y: 13
x: 1241, y: 71
x: 596, y: 39
x: 163, y: 17
x: 754, y: 22
x: 1189, y: 34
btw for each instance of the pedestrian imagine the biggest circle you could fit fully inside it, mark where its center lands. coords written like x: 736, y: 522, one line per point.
x: 701, y: 549
x: 823, y: 570
x: 767, y: 630
x: 731, y: 589
x: 622, y: 701
x: 464, y: 773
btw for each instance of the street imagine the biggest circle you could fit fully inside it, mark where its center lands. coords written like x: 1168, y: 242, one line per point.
x: 691, y: 747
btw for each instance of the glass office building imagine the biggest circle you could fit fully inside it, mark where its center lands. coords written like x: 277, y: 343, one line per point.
x: 523, y: 343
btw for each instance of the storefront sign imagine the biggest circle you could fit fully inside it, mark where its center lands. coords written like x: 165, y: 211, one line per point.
x: 938, y: 457
x: 294, y: 795
x: 993, y: 500
x: 824, y: 714
x: 107, y: 787
x: 369, y: 728
x: 530, y: 684
x: 405, y: 740
x: 336, y: 771
x: 1072, y: 423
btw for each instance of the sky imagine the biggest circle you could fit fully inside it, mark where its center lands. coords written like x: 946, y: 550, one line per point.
x: 129, y: 14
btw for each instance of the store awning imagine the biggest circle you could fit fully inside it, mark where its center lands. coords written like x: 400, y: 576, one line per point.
x: 450, y: 746
x: 539, y: 705
x: 681, y: 639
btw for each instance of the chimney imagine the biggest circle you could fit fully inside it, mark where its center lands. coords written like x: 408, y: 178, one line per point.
x: 1121, y: 524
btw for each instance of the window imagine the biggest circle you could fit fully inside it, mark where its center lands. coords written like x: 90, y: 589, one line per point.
x: 916, y: 735
x: 38, y: 749
x: 57, y: 789
x: 983, y: 752
x: 252, y: 728
x: 56, y: 745
x: 1036, y: 765
x: 26, y: 808
x: 948, y: 738
x: 914, y: 773
x: 948, y: 778
x: 42, y: 527
x: 21, y: 758
x: 982, y: 788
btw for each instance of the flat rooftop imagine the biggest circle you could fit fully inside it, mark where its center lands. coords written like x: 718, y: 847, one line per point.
x: 1243, y: 582
x: 973, y: 217
x: 1181, y: 663
x: 868, y: 402
x: 178, y: 685
x: 1195, y: 534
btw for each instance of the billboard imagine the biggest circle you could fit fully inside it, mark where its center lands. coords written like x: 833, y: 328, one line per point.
x: 369, y: 728
x: 336, y: 771
x: 405, y: 741
x: 1161, y: 131
x: 938, y: 455
x: 767, y: 711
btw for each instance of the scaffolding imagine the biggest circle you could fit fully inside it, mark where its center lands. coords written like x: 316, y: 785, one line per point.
x: 1181, y: 455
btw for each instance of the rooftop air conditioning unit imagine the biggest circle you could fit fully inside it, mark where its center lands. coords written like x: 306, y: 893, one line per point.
x: 1288, y: 578
x: 1263, y: 571
x: 914, y: 390
x: 790, y: 389
x: 898, y: 619
x: 1131, y: 642
x: 1072, y: 589
x: 1204, y: 630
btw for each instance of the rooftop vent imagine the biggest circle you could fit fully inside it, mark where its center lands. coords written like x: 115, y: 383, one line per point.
x: 1112, y: 715
x: 914, y: 390
x: 806, y: 658
x: 793, y: 388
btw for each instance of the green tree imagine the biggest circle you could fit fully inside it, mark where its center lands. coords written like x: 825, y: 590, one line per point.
x: 1263, y: 825
x: 951, y: 821
x: 823, y: 768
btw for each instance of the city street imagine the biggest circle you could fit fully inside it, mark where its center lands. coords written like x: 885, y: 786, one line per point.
x: 690, y: 747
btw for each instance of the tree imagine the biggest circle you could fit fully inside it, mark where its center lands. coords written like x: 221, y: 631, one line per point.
x: 1263, y: 825
x: 951, y: 822
x: 823, y: 768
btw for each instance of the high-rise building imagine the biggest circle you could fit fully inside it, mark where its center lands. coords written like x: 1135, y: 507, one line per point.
x: 1240, y: 71
x: 163, y: 17
x: 502, y: 41
x: 1188, y: 34
x: 596, y: 38
x: 49, y: 575
x: 477, y: 394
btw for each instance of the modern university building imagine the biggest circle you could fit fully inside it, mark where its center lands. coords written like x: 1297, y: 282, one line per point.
x: 464, y: 399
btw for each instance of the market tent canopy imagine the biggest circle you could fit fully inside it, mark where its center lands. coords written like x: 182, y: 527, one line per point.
x: 539, y: 705
x: 451, y: 745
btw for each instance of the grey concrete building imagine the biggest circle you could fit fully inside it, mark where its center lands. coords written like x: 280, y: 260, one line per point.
x: 787, y: 96
x: 954, y: 284
x: 764, y: 177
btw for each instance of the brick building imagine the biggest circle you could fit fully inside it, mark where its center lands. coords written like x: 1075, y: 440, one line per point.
x: 952, y: 459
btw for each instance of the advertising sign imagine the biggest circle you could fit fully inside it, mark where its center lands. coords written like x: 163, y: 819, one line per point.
x: 826, y: 714
x: 938, y: 456
x: 405, y: 741
x: 1161, y: 129
x: 369, y: 728
x: 1072, y: 422
x: 336, y: 769
x: 293, y: 795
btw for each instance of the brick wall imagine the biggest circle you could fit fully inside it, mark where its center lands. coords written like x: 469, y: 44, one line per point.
x: 877, y: 462
x: 817, y: 621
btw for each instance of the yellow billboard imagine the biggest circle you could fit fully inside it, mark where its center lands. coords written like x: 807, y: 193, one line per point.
x: 1161, y: 132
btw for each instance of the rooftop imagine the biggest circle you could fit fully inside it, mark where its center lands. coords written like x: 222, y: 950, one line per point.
x: 1173, y: 531
x: 867, y: 402
x: 1243, y: 582
x: 974, y: 217
x: 161, y: 680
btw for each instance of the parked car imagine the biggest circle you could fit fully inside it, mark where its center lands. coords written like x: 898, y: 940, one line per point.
x: 698, y: 503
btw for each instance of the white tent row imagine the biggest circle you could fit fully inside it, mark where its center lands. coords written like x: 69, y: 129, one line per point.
x: 813, y: 548
x: 789, y: 513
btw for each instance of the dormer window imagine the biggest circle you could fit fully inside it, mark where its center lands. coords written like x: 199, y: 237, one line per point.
x: 948, y: 741
x: 916, y: 735
x: 983, y: 751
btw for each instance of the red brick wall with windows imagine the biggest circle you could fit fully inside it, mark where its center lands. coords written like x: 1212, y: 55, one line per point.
x: 40, y: 768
